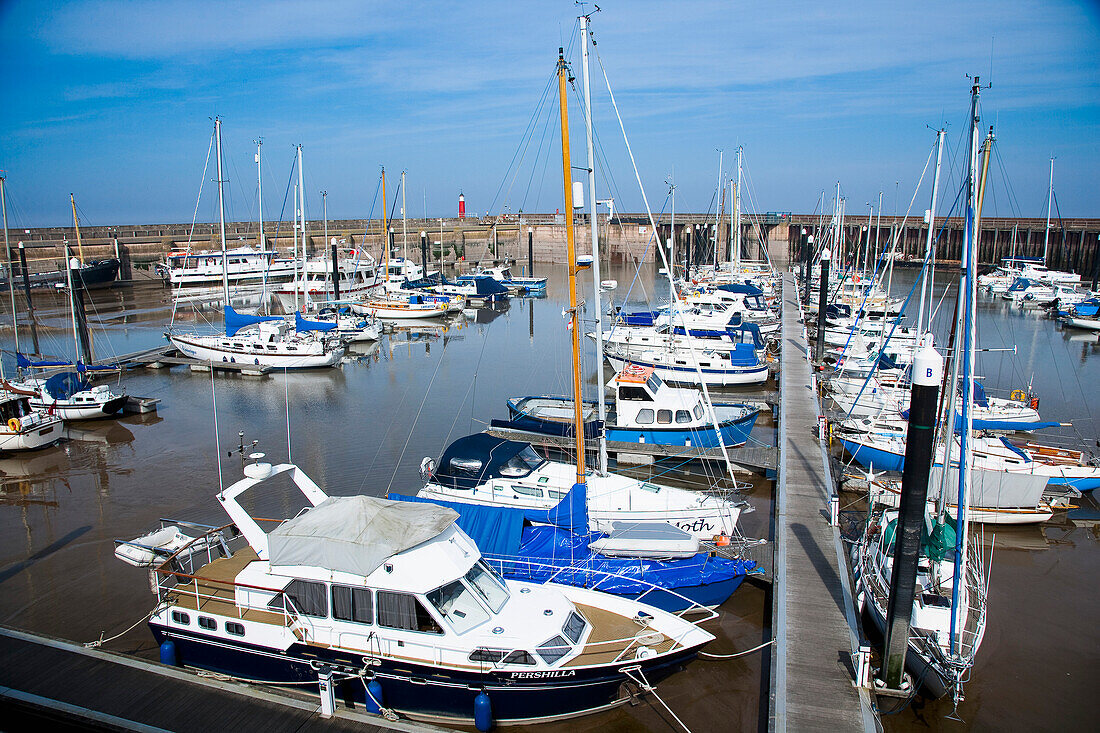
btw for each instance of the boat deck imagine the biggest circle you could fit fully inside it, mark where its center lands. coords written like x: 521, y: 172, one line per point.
x: 211, y: 590
x: 615, y: 637
x: 813, y: 614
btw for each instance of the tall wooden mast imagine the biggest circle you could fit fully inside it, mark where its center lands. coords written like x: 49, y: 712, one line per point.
x: 574, y: 312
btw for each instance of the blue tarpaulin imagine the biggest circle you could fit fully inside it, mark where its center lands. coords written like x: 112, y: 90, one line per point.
x: 301, y: 324
x: 235, y: 321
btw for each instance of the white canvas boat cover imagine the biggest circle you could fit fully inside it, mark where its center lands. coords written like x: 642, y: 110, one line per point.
x: 992, y: 489
x: 355, y: 534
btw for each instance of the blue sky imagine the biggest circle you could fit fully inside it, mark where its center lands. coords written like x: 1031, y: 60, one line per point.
x: 112, y: 101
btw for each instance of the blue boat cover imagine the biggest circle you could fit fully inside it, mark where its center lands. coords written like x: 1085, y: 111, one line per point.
x: 24, y: 363
x: 1016, y: 450
x: 235, y: 321
x: 744, y: 355
x: 979, y: 395
x: 486, y: 286
x: 535, y: 553
x: 639, y: 318
x: 995, y: 424
x: 301, y: 324
x: 63, y: 386
x: 741, y: 289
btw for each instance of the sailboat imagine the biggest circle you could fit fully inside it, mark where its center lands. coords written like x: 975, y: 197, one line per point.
x: 22, y: 427
x: 949, y: 607
x: 70, y: 394
x: 482, y: 469
x: 273, y: 341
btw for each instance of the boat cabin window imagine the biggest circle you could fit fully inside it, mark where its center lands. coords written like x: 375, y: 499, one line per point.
x: 405, y: 611
x: 683, y: 416
x: 554, y: 649
x: 555, y: 494
x: 664, y: 417
x: 634, y: 394
x: 234, y: 629
x: 458, y: 604
x: 207, y: 623
x: 179, y: 617
x: 352, y: 604
x: 574, y: 627
x: 487, y: 585
x: 654, y: 382
x: 468, y: 466
x: 698, y: 412
x: 522, y: 463
x: 645, y: 416
x: 527, y: 490
x: 307, y: 597
x: 493, y: 656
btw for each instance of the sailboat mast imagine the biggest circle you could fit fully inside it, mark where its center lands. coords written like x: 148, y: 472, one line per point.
x: 385, y: 237
x: 404, y: 222
x: 76, y: 226
x: 11, y: 270
x: 221, y: 211
x: 969, y: 334
x: 927, y: 282
x: 1050, y: 199
x: 672, y: 241
x: 737, y: 215
x: 260, y: 193
x: 575, y: 326
x: 302, y: 219
x: 717, y: 206
x: 593, y: 221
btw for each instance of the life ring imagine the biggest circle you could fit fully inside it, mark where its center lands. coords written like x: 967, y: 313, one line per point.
x: 14, y: 425
x: 1018, y: 395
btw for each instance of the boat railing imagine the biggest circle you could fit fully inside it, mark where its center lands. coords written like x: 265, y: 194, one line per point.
x: 170, y: 580
x: 553, y: 573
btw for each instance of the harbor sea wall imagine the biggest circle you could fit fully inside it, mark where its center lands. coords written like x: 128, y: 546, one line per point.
x: 627, y: 238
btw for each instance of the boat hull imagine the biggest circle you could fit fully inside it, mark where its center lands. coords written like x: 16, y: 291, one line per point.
x: 690, y: 375
x: 195, y: 348
x: 923, y: 673
x: 425, y: 692
x: 40, y: 436
x: 734, y: 432
x: 68, y: 410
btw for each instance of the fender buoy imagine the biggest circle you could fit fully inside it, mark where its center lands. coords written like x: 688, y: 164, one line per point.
x: 483, y: 712
x: 168, y: 653
x: 14, y: 425
x: 1034, y: 403
x: 1018, y: 395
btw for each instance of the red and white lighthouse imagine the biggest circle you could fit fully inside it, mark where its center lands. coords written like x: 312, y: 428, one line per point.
x: 461, y: 206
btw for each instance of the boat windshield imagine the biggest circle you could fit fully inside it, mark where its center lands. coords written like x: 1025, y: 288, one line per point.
x: 522, y: 463
x: 458, y: 605
x: 654, y: 383
x: 487, y: 585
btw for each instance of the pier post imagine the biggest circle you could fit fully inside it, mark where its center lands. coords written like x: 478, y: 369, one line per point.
x: 424, y: 252
x: 1095, y: 262
x: 807, y: 268
x: 335, y: 271
x: 822, y: 303
x: 927, y: 375
x: 30, y: 303
x: 531, y: 251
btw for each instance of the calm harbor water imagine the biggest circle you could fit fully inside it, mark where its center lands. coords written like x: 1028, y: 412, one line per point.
x: 364, y: 427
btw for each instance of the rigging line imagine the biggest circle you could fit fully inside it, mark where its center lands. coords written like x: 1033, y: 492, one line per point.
x: 191, y: 231
x: 535, y: 162
x: 427, y: 391
x: 532, y: 122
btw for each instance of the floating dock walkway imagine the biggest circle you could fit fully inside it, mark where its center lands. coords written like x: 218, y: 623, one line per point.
x: 49, y: 683
x: 816, y: 630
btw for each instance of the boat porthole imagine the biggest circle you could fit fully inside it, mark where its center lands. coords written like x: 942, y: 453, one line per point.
x: 548, y: 612
x: 498, y: 629
x: 225, y: 358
